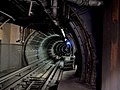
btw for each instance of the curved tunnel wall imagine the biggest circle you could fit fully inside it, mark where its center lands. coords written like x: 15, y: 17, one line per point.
x: 85, y: 46
x: 83, y: 43
x: 31, y: 46
x: 40, y: 46
x: 45, y: 47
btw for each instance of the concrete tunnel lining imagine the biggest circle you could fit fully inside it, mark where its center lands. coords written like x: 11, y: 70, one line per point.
x: 37, y: 49
x: 85, y: 45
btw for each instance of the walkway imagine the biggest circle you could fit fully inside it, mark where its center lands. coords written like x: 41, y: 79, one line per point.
x: 70, y: 82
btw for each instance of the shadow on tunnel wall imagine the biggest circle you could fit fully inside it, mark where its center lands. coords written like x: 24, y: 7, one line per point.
x: 86, y: 29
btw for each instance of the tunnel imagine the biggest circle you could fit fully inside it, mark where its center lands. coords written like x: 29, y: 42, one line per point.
x: 54, y: 47
x: 41, y: 41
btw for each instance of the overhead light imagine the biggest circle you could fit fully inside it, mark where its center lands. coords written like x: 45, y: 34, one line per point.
x: 63, y: 32
x: 68, y: 43
x: 55, y: 22
x: 65, y: 39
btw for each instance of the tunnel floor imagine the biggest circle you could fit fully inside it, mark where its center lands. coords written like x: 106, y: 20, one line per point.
x: 70, y: 82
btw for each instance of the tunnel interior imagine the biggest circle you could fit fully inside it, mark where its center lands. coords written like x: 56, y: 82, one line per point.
x: 77, y: 41
x: 61, y: 29
x: 40, y: 46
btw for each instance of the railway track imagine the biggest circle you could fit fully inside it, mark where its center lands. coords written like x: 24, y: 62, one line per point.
x: 41, y: 75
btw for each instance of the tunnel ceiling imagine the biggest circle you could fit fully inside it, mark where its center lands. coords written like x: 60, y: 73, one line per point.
x: 38, y: 17
x: 19, y: 11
